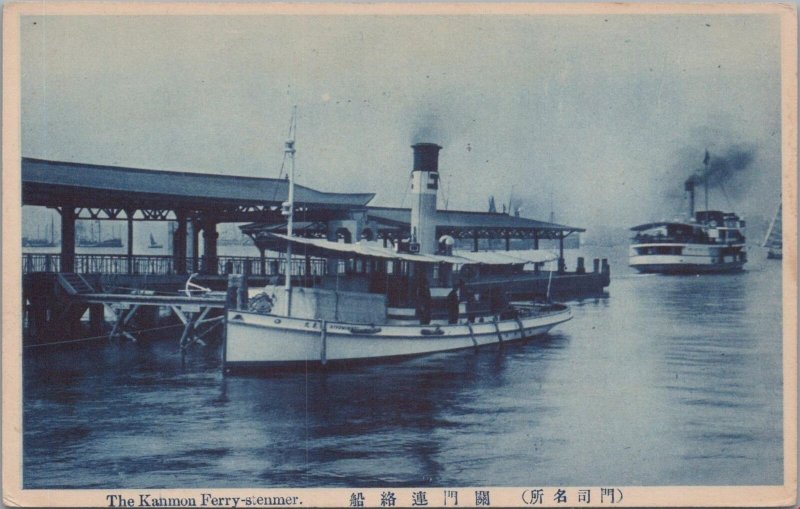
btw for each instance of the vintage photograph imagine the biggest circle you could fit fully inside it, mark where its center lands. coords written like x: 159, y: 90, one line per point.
x: 399, y: 255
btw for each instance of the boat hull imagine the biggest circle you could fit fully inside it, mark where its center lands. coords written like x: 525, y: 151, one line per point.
x: 256, y: 340
x: 687, y: 268
x: 695, y: 259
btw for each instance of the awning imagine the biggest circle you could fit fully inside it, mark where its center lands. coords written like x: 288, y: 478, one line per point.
x: 376, y: 250
x: 508, y: 257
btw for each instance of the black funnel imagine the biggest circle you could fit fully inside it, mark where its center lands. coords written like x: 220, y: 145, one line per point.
x: 426, y: 156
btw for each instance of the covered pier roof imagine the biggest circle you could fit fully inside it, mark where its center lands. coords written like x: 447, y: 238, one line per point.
x: 372, y: 249
x: 460, y: 224
x: 232, y: 198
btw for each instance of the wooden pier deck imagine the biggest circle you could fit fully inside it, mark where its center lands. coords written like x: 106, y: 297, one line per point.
x: 58, y: 302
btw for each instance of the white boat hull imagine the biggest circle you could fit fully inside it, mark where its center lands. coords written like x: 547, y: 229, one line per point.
x: 258, y: 340
x: 693, y: 260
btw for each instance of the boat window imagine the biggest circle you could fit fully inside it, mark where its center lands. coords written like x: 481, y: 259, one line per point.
x: 660, y: 250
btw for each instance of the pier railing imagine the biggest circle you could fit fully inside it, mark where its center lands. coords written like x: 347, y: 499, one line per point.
x: 165, y: 265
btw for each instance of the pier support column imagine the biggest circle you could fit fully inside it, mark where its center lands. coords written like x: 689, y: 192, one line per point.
x: 475, y: 241
x: 195, y: 248
x: 332, y: 263
x: 262, y: 260
x: 210, y: 236
x: 237, y: 292
x: 562, y: 267
x: 129, y: 214
x: 508, y: 241
x: 179, y: 243
x: 96, y: 318
x: 68, y: 217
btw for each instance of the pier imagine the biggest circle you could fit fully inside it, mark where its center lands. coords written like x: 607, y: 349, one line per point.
x: 65, y: 291
x: 59, y: 289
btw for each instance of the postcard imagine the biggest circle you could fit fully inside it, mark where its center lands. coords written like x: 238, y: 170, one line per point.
x: 399, y: 255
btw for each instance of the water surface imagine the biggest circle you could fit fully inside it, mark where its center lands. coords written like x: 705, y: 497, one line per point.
x: 667, y: 381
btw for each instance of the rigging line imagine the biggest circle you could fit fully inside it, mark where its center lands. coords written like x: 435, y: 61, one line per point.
x: 725, y: 193
x: 405, y: 192
x: 104, y: 336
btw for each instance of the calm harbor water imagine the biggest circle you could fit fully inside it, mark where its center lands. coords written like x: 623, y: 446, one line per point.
x: 667, y: 381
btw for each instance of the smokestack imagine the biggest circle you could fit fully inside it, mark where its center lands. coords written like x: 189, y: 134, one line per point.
x: 689, y: 186
x: 424, y: 186
x: 426, y: 156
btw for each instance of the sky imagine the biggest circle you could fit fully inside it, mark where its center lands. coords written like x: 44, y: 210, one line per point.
x: 598, y: 118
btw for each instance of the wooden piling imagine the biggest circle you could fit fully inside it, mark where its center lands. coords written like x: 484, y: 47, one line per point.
x: 232, y: 298
x: 242, y: 294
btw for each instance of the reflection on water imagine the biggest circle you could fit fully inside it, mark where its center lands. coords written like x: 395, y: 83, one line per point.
x: 670, y: 380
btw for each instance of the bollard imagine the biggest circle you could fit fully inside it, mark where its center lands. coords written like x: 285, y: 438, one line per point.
x: 581, y: 268
x: 234, y: 283
x: 606, y: 272
x: 596, y: 265
x: 241, y: 294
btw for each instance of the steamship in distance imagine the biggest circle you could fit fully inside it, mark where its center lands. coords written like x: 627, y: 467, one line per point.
x: 95, y: 237
x: 302, y: 326
x: 710, y: 241
x: 39, y: 241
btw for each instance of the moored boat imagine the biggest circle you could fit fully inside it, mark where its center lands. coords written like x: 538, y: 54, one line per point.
x: 257, y: 340
x: 377, y: 302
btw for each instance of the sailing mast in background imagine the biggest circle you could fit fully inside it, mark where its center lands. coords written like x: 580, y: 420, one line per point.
x: 773, y: 241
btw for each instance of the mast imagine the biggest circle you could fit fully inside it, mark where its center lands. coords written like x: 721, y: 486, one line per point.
x: 706, y: 160
x: 288, y: 210
x: 768, y: 238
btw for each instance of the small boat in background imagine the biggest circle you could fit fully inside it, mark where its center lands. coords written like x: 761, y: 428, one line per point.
x: 773, y: 241
x: 154, y: 244
x: 39, y: 241
x: 95, y: 237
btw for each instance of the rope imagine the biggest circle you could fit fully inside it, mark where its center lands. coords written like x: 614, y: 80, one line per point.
x: 405, y: 192
x: 150, y: 292
x: 105, y: 336
x: 207, y: 331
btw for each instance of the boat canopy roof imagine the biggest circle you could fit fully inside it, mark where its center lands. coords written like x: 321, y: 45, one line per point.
x: 650, y: 226
x: 323, y: 247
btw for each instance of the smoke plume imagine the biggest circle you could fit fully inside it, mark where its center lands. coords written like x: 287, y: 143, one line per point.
x: 718, y: 169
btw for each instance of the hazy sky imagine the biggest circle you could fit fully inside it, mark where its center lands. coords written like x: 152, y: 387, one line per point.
x: 608, y: 114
